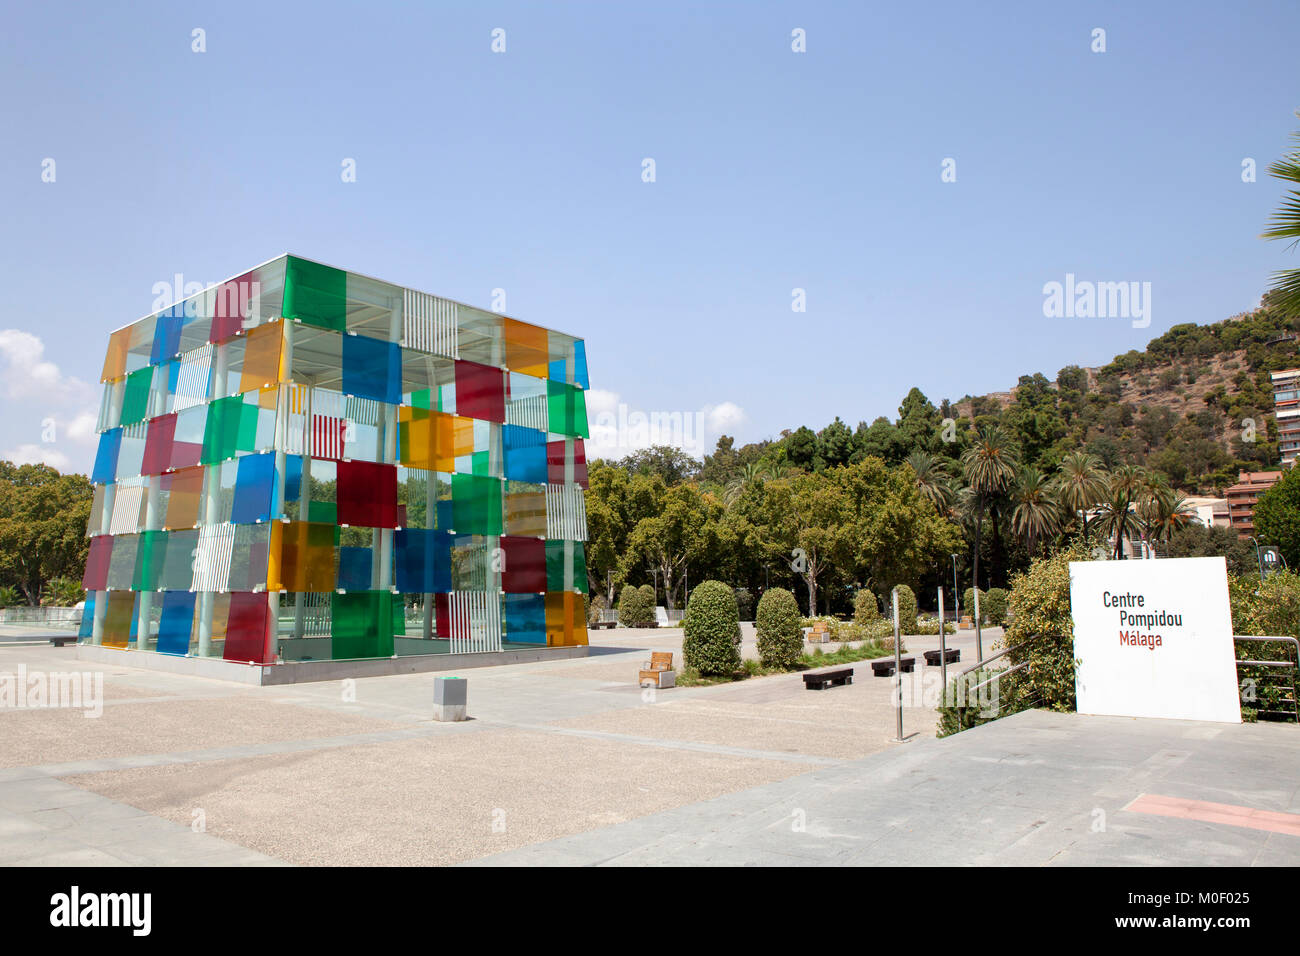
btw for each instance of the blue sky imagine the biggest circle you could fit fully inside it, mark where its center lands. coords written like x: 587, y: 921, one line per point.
x: 775, y: 170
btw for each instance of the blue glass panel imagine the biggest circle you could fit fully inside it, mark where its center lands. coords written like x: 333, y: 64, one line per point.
x: 176, y: 622
x: 525, y: 453
x: 372, y: 369
x: 422, y: 561
x: 88, y: 617
x: 105, y: 470
x: 355, y: 565
x: 254, y: 483
x: 166, y: 337
x: 525, y: 618
x: 580, y: 365
x: 292, y: 477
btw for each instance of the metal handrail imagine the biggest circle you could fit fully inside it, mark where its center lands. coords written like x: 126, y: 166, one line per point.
x: 1291, y: 665
x: 978, y: 664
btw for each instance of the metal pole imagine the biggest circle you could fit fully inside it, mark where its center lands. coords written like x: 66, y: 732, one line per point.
x: 979, y: 638
x: 1258, y: 558
x: 898, y: 666
x: 943, y: 644
x: 956, y: 594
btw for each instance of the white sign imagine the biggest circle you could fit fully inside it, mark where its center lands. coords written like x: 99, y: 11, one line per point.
x: 1154, y: 639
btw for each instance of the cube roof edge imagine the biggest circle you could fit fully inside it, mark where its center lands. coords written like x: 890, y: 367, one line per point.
x: 362, y: 275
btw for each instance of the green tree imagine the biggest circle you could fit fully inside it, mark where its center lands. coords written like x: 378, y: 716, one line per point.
x: 687, y: 530
x: 932, y: 479
x: 43, y: 517
x: 988, y: 466
x: 1277, y: 517
x: 1080, y: 485
x: 1036, y: 515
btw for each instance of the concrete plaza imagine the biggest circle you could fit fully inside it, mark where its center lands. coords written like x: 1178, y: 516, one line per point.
x: 571, y: 762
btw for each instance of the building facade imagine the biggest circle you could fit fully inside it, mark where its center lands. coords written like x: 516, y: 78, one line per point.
x: 1286, y: 409
x: 1243, y: 496
x: 303, y: 463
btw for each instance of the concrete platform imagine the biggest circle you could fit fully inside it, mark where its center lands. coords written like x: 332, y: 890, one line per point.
x: 299, y: 672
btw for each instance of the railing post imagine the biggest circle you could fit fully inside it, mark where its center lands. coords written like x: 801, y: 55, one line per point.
x: 898, y: 666
x: 943, y: 645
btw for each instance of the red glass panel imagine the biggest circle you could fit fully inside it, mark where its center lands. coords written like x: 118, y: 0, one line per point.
x: 246, y: 627
x: 367, y: 494
x: 480, y: 391
x: 525, y: 565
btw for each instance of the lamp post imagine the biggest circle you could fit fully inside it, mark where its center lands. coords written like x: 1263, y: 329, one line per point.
x: 1259, y: 559
x: 956, y: 594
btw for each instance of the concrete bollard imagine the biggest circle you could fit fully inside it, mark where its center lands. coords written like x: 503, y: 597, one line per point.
x: 449, y: 698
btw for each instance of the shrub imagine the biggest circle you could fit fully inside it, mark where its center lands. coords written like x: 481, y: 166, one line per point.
x: 595, y: 607
x: 930, y: 625
x: 906, y: 610
x: 780, y: 638
x: 711, y: 633
x: 745, y: 604
x: 632, y: 608
x: 1270, y: 607
x: 650, y: 599
x: 968, y: 604
x: 62, y: 592
x: 994, y: 606
x: 9, y: 597
x: 865, y: 607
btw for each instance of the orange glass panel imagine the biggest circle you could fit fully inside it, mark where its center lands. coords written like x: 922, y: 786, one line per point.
x: 565, y: 626
x: 185, y: 489
x: 115, y: 361
x: 527, y: 348
x: 117, y: 618
x: 306, y: 557
x: 261, y: 357
x: 526, y: 513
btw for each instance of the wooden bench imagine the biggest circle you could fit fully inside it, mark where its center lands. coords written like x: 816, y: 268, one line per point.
x: 60, y: 641
x: 952, y: 655
x: 819, y: 680
x: 885, y: 668
x: 599, y: 624
x: 658, y: 671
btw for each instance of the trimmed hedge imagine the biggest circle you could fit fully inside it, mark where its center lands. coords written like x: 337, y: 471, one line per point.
x: 865, y: 607
x: 906, y: 610
x: 594, y: 607
x: 780, y: 637
x: 633, y: 611
x: 711, y: 632
x: 994, y: 606
x: 968, y: 604
x: 651, y: 599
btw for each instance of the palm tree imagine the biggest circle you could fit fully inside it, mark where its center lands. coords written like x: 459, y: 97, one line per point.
x: 988, y: 466
x: 1163, y: 511
x: 750, y: 474
x: 1080, y: 484
x: 1127, y: 485
x: 1037, y: 514
x: 1286, y: 225
x: 932, y: 479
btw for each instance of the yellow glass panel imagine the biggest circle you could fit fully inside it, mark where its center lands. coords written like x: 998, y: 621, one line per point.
x: 304, y: 559
x: 117, y: 618
x: 526, y: 513
x: 262, y: 357
x: 186, y: 492
x: 565, y: 626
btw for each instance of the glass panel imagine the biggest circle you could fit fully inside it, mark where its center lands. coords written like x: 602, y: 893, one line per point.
x: 254, y: 488
x: 480, y: 392
x: 261, y: 357
x: 525, y: 454
x: 372, y: 369
x: 476, y: 504
x: 178, y: 562
x: 150, y: 555
x: 105, y: 468
x: 158, y: 445
x: 525, y: 565
x: 355, y: 568
x: 246, y: 624
x: 177, y: 622
x: 526, y: 509
x: 184, y: 494
x: 135, y: 401
x: 119, y: 618
x: 361, y: 624
x: 367, y: 494
x: 121, y: 565
x: 525, y: 618
x: 315, y: 294
x: 97, y: 563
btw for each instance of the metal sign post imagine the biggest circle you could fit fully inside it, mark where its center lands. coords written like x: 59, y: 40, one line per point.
x: 979, y: 638
x: 898, y: 666
x: 943, y: 645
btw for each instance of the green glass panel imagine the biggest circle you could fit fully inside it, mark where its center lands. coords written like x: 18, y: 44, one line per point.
x: 422, y: 399
x: 135, y: 400
x: 361, y: 624
x: 150, y: 559
x: 316, y: 294
x: 555, y: 565
x: 216, y: 447
x: 566, y: 408
x: 476, y: 504
x: 579, y: 566
x: 399, y: 616
x: 481, y: 463
x: 324, y: 512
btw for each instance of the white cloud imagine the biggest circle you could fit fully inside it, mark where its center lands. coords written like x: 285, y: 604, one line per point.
x: 37, y: 454
x: 50, y: 417
x: 618, y: 429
